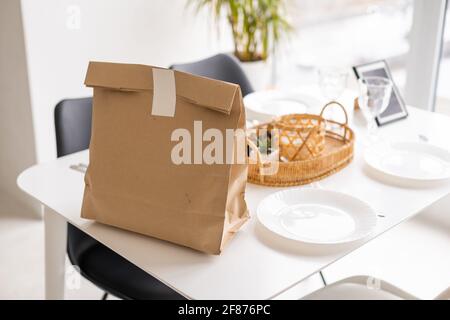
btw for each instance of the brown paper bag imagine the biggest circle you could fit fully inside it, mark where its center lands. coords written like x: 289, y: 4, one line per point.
x: 132, y: 181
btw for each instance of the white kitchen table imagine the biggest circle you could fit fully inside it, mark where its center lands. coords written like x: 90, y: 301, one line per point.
x: 256, y: 264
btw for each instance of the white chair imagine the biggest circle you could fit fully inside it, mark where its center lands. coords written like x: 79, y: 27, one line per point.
x: 413, y: 256
x: 365, y: 288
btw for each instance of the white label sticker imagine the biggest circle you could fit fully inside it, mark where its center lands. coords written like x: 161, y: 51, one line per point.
x: 164, y: 93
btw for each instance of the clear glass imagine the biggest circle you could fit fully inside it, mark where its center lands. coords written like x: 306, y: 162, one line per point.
x: 374, y: 96
x: 332, y: 82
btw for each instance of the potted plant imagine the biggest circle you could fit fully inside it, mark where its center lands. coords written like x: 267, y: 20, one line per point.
x: 256, y: 26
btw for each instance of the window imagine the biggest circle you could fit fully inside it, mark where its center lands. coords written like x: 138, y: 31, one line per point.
x: 345, y: 33
x: 443, y: 89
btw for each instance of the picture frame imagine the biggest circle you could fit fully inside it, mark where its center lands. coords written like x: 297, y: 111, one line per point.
x: 396, y: 109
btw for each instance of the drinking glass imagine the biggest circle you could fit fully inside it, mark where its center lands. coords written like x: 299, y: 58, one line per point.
x: 375, y: 93
x: 332, y: 83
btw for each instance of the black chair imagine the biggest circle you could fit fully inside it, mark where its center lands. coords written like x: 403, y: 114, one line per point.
x: 97, y: 263
x: 220, y: 67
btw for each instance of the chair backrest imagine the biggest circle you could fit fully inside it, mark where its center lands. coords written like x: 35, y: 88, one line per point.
x: 444, y: 295
x: 73, y: 121
x: 220, y: 67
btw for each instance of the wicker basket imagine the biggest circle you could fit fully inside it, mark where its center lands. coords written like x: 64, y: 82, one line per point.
x: 335, y: 155
x: 301, y: 136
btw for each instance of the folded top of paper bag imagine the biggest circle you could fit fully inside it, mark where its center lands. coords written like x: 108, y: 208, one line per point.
x: 213, y: 94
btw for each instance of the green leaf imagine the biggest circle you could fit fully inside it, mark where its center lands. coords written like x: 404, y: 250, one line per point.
x: 257, y: 25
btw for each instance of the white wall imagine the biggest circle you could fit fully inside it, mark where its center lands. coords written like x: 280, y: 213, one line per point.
x: 157, y: 32
x: 17, y: 149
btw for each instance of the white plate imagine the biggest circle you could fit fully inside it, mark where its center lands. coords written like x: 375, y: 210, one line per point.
x: 265, y: 105
x: 317, y: 216
x: 411, y: 160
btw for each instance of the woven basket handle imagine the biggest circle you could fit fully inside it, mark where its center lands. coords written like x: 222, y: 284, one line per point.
x: 340, y: 105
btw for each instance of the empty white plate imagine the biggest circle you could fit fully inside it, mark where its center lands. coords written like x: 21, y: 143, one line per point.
x: 412, y: 160
x: 317, y: 216
x: 265, y: 105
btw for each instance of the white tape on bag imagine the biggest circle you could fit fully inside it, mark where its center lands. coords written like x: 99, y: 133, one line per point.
x: 164, y: 93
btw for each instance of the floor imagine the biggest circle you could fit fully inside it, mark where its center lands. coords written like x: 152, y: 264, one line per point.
x: 22, y: 260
